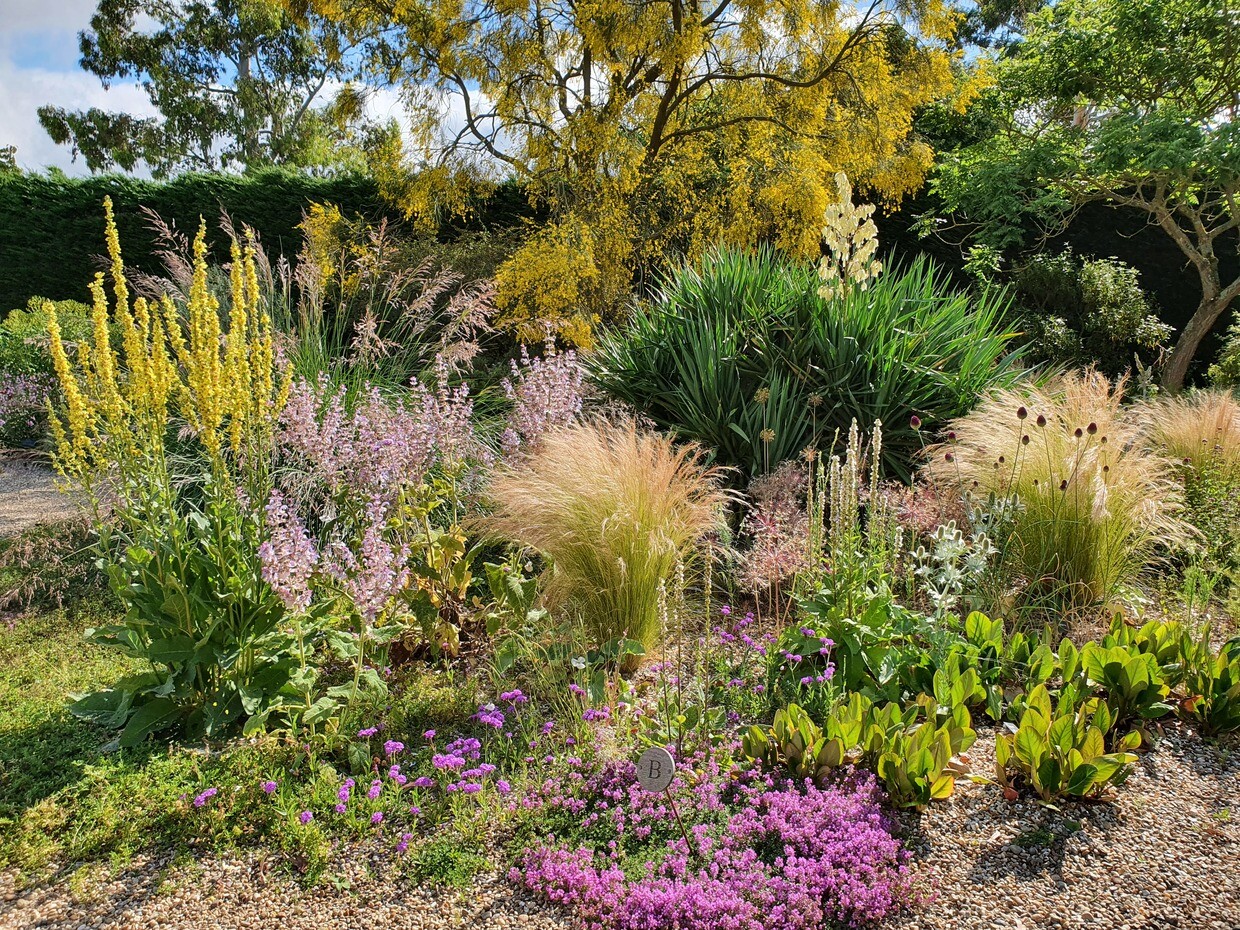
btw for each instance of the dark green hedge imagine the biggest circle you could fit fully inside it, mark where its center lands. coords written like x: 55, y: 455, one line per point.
x: 51, y: 228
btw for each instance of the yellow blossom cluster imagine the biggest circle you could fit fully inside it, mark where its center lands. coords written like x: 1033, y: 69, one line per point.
x: 650, y: 133
x: 177, y: 367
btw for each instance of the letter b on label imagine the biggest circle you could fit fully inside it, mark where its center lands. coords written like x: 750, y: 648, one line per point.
x: 655, y: 769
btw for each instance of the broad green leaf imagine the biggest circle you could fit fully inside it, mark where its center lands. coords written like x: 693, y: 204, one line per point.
x: 154, y: 716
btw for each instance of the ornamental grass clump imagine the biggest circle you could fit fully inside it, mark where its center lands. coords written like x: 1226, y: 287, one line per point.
x: 614, y: 509
x: 1201, y: 429
x: 1201, y: 432
x: 1084, y: 505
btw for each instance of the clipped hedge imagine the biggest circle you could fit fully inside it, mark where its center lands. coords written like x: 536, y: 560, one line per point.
x: 51, y: 227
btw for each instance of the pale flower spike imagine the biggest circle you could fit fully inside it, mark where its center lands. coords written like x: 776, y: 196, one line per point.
x: 852, y: 241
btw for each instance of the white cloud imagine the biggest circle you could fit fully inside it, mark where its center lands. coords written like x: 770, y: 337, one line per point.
x: 38, y: 54
x: 18, y: 16
x: 26, y: 89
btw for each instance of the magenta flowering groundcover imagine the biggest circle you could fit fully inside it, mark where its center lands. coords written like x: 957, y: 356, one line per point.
x: 763, y: 854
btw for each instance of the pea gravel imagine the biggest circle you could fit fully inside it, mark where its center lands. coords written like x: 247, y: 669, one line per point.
x: 242, y: 893
x: 28, y: 496
x: 1164, y: 856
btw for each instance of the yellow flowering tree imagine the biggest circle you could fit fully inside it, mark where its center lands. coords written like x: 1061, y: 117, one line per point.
x: 650, y: 130
x: 166, y: 425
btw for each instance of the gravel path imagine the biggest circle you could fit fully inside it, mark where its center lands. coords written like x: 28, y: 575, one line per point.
x: 1164, y: 856
x: 28, y: 496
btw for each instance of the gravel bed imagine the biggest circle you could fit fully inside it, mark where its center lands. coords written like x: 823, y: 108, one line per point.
x: 1164, y: 856
x: 244, y: 893
x: 28, y: 496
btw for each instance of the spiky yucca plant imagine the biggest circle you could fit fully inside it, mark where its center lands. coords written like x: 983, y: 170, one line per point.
x: 741, y: 354
x: 1090, y: 504
x: 614, y: 509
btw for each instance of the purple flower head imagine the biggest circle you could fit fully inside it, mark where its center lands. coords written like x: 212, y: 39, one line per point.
x: 305, y: 817
x: 546, y: 393
x: 205, y: 797
x: 830, y: 857
x: 392, y: 747
x: 380, y: 571
x: 490, y: 715
x: 379, y: 446
x: 270, y: 787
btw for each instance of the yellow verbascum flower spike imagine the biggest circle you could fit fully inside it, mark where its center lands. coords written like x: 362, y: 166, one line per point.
x: 72, y: 434
x: 220, y: 381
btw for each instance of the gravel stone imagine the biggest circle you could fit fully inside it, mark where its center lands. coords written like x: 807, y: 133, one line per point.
x: 28, y: 497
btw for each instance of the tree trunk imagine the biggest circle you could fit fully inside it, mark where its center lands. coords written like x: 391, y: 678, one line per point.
x: 1208, y: 312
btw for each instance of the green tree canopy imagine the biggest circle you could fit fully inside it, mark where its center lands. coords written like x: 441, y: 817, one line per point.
x: 236, y: 83
x: 1127, y: 102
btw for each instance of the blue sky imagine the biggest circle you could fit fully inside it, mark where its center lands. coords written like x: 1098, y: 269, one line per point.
x: 38, y: 65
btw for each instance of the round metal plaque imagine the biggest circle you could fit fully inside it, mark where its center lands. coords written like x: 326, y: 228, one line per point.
x: 656, y: 769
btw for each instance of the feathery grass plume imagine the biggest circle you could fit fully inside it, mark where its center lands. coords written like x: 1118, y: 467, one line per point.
x: 1201, y: 429
x: 1089, y: 503
x: 1201, y: 432
x: 615, y: 509
x: 360, y: 309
